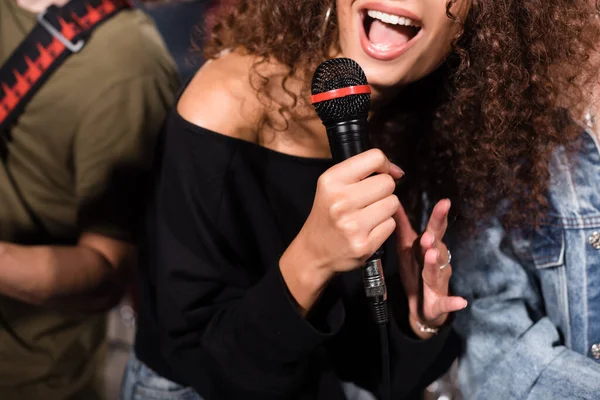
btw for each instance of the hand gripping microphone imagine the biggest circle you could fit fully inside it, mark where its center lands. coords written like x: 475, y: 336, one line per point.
x: 341, y: 96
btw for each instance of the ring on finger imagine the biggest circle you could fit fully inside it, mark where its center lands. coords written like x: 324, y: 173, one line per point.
x: 447, y: 262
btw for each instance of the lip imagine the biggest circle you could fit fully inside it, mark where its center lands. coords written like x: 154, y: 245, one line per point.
x: 374, y: 52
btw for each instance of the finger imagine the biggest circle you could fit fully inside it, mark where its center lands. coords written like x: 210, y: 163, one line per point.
x: 376, y: 213
x: 364, y: 164
x: 437, y: 279
x: 405, y: 233
x: 370, y: 190
x: 448, y: 304
x: 438, y: 222
x: 427, y: 241
x: 381, y: 233
x: 395, y: 171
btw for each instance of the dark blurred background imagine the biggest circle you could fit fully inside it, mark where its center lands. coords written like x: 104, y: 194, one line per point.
x: 178, y: 21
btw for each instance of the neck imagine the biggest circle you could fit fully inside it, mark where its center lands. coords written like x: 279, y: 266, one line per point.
x: 37, y: 6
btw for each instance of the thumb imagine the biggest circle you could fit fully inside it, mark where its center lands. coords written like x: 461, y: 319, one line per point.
x: 447, y: 304
x: 405, y: 234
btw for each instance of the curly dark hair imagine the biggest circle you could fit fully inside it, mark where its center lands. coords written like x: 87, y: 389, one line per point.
x: 485, y: 123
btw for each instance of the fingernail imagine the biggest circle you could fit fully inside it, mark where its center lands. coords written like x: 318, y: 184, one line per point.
x: 466, y: 304
x: 396, y: 170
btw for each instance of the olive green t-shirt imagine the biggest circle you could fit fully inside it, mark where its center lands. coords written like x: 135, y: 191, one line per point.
x: 75, y: 163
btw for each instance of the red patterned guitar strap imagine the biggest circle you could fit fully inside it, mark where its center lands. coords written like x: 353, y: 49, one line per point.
x: 59, y: 33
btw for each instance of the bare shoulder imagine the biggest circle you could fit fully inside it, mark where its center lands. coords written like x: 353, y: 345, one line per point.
x: 220, y: 98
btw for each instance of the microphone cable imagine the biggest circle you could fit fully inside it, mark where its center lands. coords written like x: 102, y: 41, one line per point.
x: 374, y: 283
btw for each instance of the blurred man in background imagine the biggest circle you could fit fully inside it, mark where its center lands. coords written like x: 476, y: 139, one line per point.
x: 71, y: 180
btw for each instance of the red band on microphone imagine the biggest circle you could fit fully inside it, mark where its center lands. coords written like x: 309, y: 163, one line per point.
x: 337, y: 93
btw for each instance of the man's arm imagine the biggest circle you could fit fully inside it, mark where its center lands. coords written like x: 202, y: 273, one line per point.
x: 113, y: 151
x: 90, y: 276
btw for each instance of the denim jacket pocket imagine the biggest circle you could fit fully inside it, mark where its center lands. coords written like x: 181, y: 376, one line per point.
x: 548, y: 245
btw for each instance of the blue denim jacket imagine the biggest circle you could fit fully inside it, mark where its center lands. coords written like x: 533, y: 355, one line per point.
x: 532, y: 328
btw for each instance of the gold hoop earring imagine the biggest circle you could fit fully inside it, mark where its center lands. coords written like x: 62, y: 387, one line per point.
x: 326, y: 21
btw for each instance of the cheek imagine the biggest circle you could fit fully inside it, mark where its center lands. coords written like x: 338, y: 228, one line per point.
x: 449, y: 32
x: 437, y: 48
x: 450, y: 27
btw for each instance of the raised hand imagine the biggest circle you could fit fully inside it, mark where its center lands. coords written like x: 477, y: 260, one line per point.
x: 425, y: 270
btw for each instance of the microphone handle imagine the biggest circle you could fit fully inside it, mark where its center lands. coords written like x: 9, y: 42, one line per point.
x: 347, y: 139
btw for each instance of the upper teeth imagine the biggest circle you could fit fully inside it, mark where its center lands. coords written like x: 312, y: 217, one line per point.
x: 391, y: 19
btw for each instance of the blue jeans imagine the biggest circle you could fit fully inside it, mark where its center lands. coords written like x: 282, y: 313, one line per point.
x: 141, y: 383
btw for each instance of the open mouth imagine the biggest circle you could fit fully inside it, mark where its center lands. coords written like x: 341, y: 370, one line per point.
x: 388, y: 35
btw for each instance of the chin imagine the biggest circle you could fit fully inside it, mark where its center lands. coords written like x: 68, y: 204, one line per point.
x: 386, y: 79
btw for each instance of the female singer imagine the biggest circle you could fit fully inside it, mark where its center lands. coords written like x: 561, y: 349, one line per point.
x: 251, y: 286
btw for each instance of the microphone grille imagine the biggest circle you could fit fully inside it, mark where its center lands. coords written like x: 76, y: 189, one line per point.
x: 339, y: 73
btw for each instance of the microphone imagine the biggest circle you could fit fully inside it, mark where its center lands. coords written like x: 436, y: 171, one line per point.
x: 341, y: 96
